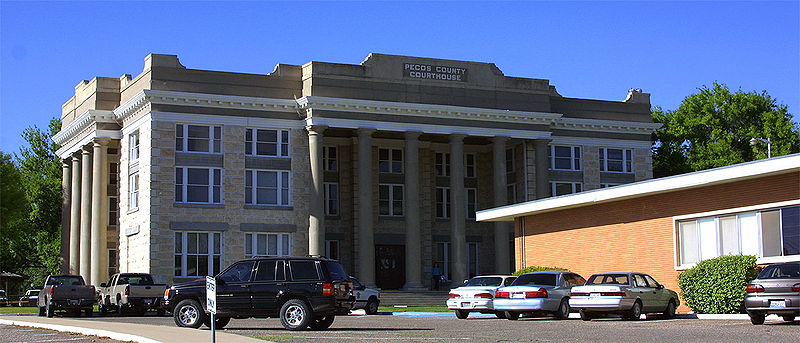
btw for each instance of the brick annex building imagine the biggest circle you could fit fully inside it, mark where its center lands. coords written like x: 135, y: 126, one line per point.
x: 179, y: 172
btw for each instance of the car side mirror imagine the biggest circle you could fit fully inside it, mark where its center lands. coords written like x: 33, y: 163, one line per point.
x: 465, y: 282
x: 660, y: 286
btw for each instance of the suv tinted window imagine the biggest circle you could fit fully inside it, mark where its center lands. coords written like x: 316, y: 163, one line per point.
x: 303, y: 270
x: 239, y: 272
x: 266, y: 271
x: 280, y: 271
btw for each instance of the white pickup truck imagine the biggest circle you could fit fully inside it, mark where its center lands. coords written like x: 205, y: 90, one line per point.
x: 133, y: 293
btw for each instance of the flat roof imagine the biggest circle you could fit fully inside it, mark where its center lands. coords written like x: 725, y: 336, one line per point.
x: 737, y: 172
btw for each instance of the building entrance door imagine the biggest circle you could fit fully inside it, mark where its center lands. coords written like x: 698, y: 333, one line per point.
x: 390, y: 266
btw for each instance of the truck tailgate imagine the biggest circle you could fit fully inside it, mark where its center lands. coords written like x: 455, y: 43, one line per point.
x: 73, y: 292
x: 150, y: 291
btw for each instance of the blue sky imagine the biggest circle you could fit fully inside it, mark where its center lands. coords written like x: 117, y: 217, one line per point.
x: 586, y: 49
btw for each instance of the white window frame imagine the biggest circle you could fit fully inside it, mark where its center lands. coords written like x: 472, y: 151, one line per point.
x: 211, y: 185
x: 133, y: 147
x: 279, y: 239
x: 392, y: 200
x: 183, y: 128
x: 184, y: 253
x: 576, y: 186
x: 627, y: 161
x: 391, y: 161
x: 470, y: 169
x: 471, y: 198
x: 280, y: 187
x: 330, y: 163
x: 445, y: 203
x: 331, y: 203
x: 443, y: 168
x: 133, y: 191
x: 576, y: 160
x: 280, y: 134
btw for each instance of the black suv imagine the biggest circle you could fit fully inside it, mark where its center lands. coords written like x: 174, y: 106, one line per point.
x: 305, y: 292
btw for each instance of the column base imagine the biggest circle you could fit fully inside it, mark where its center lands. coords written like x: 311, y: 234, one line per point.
x: 414, y: 286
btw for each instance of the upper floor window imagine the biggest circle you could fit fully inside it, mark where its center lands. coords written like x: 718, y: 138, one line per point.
x: 197, y: 253
x: 390, y: 200
x: 509, y: 160
x: 113, y: 173
x: 267, y: 244
x: 469, y: 165
x: 563, y: 188
x: 472, y: 202
x: 267, y: 187
x: 264, y: 142
x: 565, y: 157
x: 198, y: 185
x: 133, y: 191
x: 441, y: 165
x: 198, y: 138
x: 442, y: 202
x: 511, y: 193
x: 616, y: 160
x: 133, y: 145
x: 331, y: 199
x: 113, y: 211
x: 330, y: 158
x: 390, y: 161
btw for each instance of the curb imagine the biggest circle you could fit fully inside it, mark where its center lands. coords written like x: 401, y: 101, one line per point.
x: 83, y: 331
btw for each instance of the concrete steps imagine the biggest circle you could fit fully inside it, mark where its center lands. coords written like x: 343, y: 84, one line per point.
x: 417, y: 298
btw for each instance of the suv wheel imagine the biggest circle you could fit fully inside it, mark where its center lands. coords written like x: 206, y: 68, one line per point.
x: 295, y: 315
x: 321, y: 323
x: 188, y: 313
x: 757, y: 318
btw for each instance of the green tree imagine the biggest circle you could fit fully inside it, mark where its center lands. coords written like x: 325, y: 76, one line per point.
x: 713, y: 128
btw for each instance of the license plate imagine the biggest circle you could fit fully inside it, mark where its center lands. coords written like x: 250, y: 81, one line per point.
x: 777, y: 304
x: 73, y: 302
x: 465, y: 305
x: 148, y: 301
x: 518, y: 296
x: 594, y: 295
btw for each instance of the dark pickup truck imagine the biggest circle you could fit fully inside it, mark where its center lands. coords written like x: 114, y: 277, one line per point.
x: 304, y: 292
x: 66, y: 292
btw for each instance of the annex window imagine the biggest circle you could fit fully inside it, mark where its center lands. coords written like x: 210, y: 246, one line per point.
x: 332, y: 249
x: 113, y: 211
x: 390, y: 200
x: 765, y: 234
x: 390, y: 161
x: 331, y: 199
x: 198, y: 185
x: 616, y: 160
x: 472, y: 259
x: 197, y: 253
x: 472, y: 201
x: 511, y: 193
x: 330, y: 158
x: 441, y: 164
x: 133, y: 146
x: 133, y: 191
x: 267, y: 244
x: 442, y: 202
x: 509, y: 160
x: 267, y: 187
x: 113, y: 173
x: 469, y: 165
x: 563, y: 188
x: 564, y: 157
x: 264, y: 142
x: 198, y: 138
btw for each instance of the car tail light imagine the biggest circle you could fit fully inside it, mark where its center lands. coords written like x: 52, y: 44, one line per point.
x: 128, y: 290
x: 327, y: 289
x: 499, y: 295
x: 52, y: 289
x: 453, y: 296
x: 579, y: 294
x: 756, y: 288
x: 612, y: 294
x: 796, y: 287
x: 484, y: 295
x: 541, y: 293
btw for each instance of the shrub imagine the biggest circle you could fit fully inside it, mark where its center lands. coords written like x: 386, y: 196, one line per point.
x: 532, y: 269
x: 718, y: 285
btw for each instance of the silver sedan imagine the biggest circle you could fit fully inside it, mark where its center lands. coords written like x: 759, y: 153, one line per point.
x: 538, y: 293
x: 629, y: 294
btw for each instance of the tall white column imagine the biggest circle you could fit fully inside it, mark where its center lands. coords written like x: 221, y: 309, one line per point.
x: 86, y: 213
x: 458, y: 209
x: 316, y: 218
x: 501, y: 229
x: 366, y: 242
x: 75, y: 218
x: 99, y: 216
x: 413, y: 236
x: 66, y: 190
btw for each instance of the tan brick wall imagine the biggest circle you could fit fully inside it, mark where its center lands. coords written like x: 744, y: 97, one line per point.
x: 637, y: 234
x: 134, y: 250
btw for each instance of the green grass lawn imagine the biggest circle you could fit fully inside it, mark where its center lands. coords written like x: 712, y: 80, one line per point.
x: 17, y: 309
x: 414, y: 309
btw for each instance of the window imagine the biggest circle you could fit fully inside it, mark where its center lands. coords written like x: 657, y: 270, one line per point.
x: 509, y: 160
x: 562, y: 188
x: 198, y: 138
x: 303, y: 270
x: 616, y: 160
x: 769, y: 233
x: 332, y: 249
x: 511, y: 193
x: 331, y: 199
x: 472, y: 260
x: 113, y: 211
x: 198, y: 185
x: 133, y: 191
x: 270, y: 271
x: 113, y: 173
x: 472, y: 201
x: 390, y: 161
x: 442, y: 164
x: 267, y: 187
x: 112, y: 262
x: 133, y: 145
x: 607, y: 185
x: 390, y: 200
x: 239, y: 272
x: 442, y: 257
x: 469, y: 165
x: 197, y: 253
x: 267, y: 244
x: 262, y: 142
x: 564, y: 157
x: 442, y: 202
x: 329, y: 158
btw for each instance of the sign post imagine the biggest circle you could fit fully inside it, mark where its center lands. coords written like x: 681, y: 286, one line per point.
x: 211, y: 303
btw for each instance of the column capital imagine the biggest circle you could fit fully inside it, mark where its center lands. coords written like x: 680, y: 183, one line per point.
x: 412, y: 134
x: 316, y: 129
x: 66, y: 163
x: 100, y: 141
x: 457, y: 137
x: 500, y: 139
x: 86, y: 150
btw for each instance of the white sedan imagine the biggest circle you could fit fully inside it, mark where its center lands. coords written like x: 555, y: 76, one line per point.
x: 476, y: 295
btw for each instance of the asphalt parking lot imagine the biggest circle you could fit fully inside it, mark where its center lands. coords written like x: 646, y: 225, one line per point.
x: 19, y: 334
x: 386, y: 328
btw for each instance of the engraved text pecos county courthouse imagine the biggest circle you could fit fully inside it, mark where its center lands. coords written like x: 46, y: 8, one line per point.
x: 179, y: 172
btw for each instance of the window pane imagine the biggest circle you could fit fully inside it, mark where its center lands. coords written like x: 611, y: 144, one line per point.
x: 196, y: 131
x: 771, y: 233
x: 178, y: 243
x: 748, y: 228
x: 383, y: 154
x: 285, y: 244
x: 266, y: 271
x: 266, y: 149
x: 272, y: 245
x: 303, y: 270
x: 790, y: 225
x: 197, y: 145
x: 708, y: 238
x: 215, y: 265
x: 267, y: 179
x: 202, y: 265
x: 178, y: 265
x: 217, y: 243
x: 268, y: 136
x: 262, y: 245
x: 687, y: 232
x: 191, y: 242
x: 383, y: 166
x: 202, y: 243
x: 248, y: 244
x: 191, y: 266
x: 730, y: 235
x: 197, y: 176
x: 197, y: 193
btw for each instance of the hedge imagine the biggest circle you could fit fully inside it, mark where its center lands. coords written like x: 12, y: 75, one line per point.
x: 718, y: 285
x: 532, y: 269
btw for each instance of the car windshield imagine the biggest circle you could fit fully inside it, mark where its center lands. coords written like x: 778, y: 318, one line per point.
x: 536, y: 279
x: 65, y: 280
x: 485, y: 281
x: 143, y: 280
x: 781, y: 271
x: 336, y: 271
x: 608, y: 279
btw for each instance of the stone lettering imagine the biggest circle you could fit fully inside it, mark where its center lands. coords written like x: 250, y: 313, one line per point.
x: 432, y: 72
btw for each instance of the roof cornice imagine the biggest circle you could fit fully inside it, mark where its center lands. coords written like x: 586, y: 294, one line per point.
x: 605, y: 125
x: 82, y: 123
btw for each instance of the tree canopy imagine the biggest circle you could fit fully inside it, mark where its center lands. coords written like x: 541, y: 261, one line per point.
x: 713, y: 128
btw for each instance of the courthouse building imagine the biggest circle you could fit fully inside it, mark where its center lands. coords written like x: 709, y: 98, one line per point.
x: 179, y: 172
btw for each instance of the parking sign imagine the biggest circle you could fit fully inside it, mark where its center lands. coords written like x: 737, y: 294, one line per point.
x: 211, y: 294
